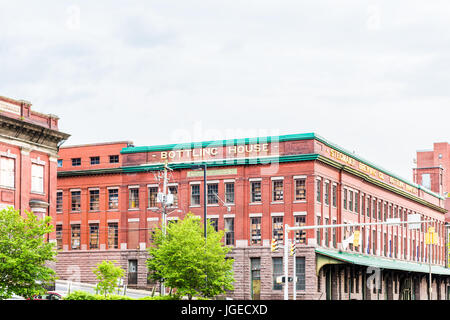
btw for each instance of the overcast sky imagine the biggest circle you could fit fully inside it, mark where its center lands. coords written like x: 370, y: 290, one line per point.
x: 370, y: 76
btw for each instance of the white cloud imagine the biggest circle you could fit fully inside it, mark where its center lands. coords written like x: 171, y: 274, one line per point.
x: 368, y: 75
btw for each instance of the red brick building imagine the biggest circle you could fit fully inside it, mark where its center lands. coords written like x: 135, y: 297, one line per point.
x: 29, y: 143
x: 255, y: 186
x: 433, y: 170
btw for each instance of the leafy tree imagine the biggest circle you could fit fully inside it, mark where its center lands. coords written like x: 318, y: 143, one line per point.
x: 24, y: 254
x: 108, y: 275
x: 186, y: 263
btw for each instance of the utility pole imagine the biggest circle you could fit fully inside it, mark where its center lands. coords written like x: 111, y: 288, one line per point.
x: 164, y: 200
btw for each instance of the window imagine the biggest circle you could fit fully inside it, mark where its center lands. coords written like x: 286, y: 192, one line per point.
x: 214, y: 222
x: 75, y: 200
x: 350, y: 200
x: 7, y: 172
x: 277, y: 264
x: 76, y: 162
x: 59, y: 201
x: 300, y: 235
x: 114, y: 159
x: 75, y: 236
x: 94, y: 200
x: 319, y: 190
x: 59, y: 233
x: 152, y: 196
x: 327, y: 193
x: 277, y: 229
x: 300, y: 189
x: 426, y: 180
x: 334, y: 195
x: 334, y: 236
x: 318, y: 235
x: 113, y: 235
x: 256, y: 191
x: 374, y: 208
x: 133, y: 200
x: 277, y: 190
x: 229, y: 192
x: 229, y: 231
x: 213, y: 190
x: 37, y: 178
x: 368, y: 207
x: 95, y: 160
x: 113, y: 199
x: 255, y: 230
x: 345, y: 199
x: 93, y: 236
x: 379, y: 210
x: 60, y: 163
x: 195, y: 194
x: 300, y: 272
x: 356, y: 202
x: 374, y: 241
x: 174, y: 191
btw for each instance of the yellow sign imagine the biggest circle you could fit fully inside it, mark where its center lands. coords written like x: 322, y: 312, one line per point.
x: 431, y: 237
x: 356, y: 239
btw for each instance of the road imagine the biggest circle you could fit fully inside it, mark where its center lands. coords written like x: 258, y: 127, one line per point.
x: 62, y: 286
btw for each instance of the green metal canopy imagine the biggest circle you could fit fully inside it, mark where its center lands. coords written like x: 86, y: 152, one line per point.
x: 382, y: 263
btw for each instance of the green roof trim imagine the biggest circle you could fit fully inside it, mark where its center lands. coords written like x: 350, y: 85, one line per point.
x: 268, y: 139
x: 382, y: 263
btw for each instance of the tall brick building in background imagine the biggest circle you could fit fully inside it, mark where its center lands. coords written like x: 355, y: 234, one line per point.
x: 107, y: 206
x: 433, y: 171
x: 29, y: 143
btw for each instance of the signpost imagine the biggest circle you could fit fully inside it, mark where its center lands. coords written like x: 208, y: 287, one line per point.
x: 431, y: 237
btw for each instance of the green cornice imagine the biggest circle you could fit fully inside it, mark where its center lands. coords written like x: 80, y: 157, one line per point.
x: 74, y: 173
x: 268, y: 139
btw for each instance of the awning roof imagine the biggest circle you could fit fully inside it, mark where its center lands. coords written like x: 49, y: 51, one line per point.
x: 383, y: 263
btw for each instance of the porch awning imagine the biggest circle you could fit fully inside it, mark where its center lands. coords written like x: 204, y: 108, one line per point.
x: 382, y: 263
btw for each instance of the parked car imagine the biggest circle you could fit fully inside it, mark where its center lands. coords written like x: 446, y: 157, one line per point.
x: 48, y: 296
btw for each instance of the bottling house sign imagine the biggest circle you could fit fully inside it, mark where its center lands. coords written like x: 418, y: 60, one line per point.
x: 217, y: 152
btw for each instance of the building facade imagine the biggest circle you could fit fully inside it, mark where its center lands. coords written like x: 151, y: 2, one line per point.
x: 433, y: 170
x: 29, y: 143
x: 254, y: 188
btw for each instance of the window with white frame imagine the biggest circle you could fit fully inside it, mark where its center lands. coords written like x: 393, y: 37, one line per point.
x: 37, y: 178
x: 7, y: 172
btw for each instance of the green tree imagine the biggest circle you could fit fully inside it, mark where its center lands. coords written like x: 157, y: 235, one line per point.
x: 108, y: 275
x: 186, y: 263
x: 24, y: 254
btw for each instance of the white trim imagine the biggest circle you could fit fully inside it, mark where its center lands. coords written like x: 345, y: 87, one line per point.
x: 133, y: 220
x: 152, y: 185
x: 112, y: 221
x: 152, y: 219
x: 8, y: 154
x: 229, y: 180
x: 195, y: 182
x: 174, y: 184
x: 38, y: 161
x: 229, y: 215
x: 75, y: 222
x: 276, y: 178
x: 254, y: 179
x: 71, y: 190
x: 93, y: 189
x: 213, y: 181
x: 136, y: 186
x: 173, y: 218
x: 255, y: 215
x: 277, y: 214
x: 212, y: 216
x: 300, y: 213
x: 93, y: 221
x: 318, y: 214
x: 299, y: 177
x: 109, y: 188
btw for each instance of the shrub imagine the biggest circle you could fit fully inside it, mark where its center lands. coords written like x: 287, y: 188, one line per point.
x: 81, y: 295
